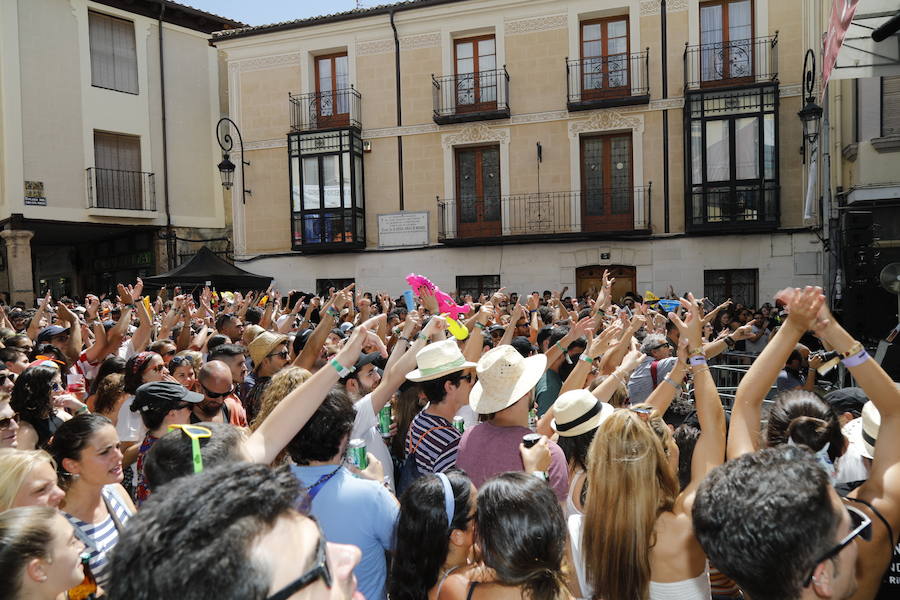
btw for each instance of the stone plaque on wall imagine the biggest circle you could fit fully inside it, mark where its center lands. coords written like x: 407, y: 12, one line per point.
x: 403, y: 229
x: 34, y: 193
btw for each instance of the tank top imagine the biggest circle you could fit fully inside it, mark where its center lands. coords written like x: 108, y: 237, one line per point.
x: 100, y: 538
x: 571, y: 509
x: 890, y: 583
x: 443, y: 579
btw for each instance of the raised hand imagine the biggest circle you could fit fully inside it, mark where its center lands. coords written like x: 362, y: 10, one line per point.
x: 803, y: 306
x: 691, y: 327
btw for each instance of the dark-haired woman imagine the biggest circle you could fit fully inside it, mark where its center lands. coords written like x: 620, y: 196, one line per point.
x: 90, y: 464
x: 141, y: 368
x: 433, y: 539
x: 40, y: 398
x: 521, y: 533
x: 39, y: 555
x: 110, y: 366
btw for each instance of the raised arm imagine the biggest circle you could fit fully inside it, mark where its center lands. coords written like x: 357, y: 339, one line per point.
x: 34, y: 327
x: 295, y: 410
x: 743, y: 433
x: 710, y: 449
x: 597, y: 345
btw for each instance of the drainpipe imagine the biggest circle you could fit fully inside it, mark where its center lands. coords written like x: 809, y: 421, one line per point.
x: 665, y: 115
x: 399, y: 107
x: 170, y: 234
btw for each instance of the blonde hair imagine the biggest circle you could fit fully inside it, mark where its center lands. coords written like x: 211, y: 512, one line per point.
x: 282, y: 384
x: 630, y: 483
x: 15, y: 465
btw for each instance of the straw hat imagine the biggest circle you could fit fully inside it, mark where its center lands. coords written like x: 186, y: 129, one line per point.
x: 865, y: 433
x: 577, y: 412
x: 504, y: 376
x: 438, y: 359
x: 263, y: 344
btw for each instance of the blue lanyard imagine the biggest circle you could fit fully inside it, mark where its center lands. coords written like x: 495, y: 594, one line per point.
x: 314, y: 489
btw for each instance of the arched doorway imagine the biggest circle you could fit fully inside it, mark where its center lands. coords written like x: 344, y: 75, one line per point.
x: 589, y: 279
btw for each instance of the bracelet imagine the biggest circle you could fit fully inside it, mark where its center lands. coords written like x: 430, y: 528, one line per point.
x: 422, y: 336
x: 856, y: 348
x: 542, y: 475
x: 83, y: 409
x: 856, y: 359
x: 560, y: 346
x: 131, y: 306
x: 696, y: 351
x: 698, y: 359
x: 405, y: 339
x: 586, y: 359
x: 618, y: 377
x: 677, y: 386
x: 531, y: 312
x: 331, y: 312
x: 342, y: 371
x: 479, y: 325
x: 729, y: 341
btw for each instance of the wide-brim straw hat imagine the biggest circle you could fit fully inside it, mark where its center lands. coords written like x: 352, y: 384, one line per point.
x: 577, y: 412
x: 263, y: 344
x: 439, y: 359
x: 504, y: 376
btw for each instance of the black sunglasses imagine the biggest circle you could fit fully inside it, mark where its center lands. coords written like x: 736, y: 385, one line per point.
x: 283, y: 354
x: 211, y: 394
x: 861, y: 526
x: 318, y: 570
x: 177, y: 361
x: 8, y: 421
x: 5, y: 376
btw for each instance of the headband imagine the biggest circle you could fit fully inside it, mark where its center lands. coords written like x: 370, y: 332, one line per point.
x: 449, y: 501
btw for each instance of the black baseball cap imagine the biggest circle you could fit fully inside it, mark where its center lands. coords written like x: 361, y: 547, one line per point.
x: 159, y: 394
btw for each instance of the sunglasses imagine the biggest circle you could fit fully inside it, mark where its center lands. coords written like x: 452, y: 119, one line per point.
x: 159, y: 368
x: 195, y: 432
x: 470, y: 378
x: 210, y: 394
x: 177, y: 361
x: 861, y: 526
x: 169, y: 353
x: 661, y: 346
x: 284, y: 354
x: 8, y: 421
x: 318, y: 570
x: 5, y: 376
x: 56, y: 387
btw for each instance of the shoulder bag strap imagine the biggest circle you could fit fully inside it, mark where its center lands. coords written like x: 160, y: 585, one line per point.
x: 422, y: 437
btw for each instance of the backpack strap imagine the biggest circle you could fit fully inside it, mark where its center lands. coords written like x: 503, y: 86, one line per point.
x: 653, y: 373
x: 411, y: 450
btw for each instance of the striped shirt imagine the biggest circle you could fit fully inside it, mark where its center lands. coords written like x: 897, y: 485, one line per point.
x: 437, y: 450
x: 100, y: 538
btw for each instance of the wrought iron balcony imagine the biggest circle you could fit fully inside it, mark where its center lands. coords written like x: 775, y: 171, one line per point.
x: 120, y: 190
x: 480, y: 96
x: 742, y: 206
x: 325, y: 110
x: 732, y: 63
x: 535, y: 216
x: 615, y: 80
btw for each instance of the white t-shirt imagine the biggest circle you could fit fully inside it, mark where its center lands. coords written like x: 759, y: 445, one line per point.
x: 129, y: 424
x: 366, y: 428
x: 470, y: 417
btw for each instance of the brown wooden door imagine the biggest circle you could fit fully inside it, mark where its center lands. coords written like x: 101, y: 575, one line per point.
x: 475, y: 63
x: 332, y: 102
x: 607, y: 190
x: 604, y: 58
x: 478, y: 191
x: 726, y: 38
x: 589, y: 280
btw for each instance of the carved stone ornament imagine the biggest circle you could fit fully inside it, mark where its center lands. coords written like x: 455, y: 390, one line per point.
x: 375, y: 47
x: 547, y: 23
x: 266, y: 62
x: 425, y: 40
x: 475, y: 133
x: 607, y: 120
x: 652, y: 7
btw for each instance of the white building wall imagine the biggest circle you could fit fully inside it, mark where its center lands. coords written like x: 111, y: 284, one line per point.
x: 783, y: 259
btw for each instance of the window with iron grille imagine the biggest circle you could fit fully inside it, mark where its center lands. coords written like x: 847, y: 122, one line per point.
x: 738, y: 284
x: 324, y: 285
x: 890, y: 105
x: 113, y: 53
x: 731, y: 143
x: 476, y: 285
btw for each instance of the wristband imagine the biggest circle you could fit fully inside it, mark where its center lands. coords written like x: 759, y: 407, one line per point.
x: 677, y: 386
x: 542, y: 475
x: 82, y: 409
x: 531, y: 312
x: 331, y: 312
x: 422, y: 336
x: 729, y: 341
x: 586, y: 359
x: 560, y: 346
x: 342, y: 371
x: 131, y: 306
x: 405, y: 339
x: 479, y: 325
x: 697, y: 359
x: 856, y: 359
x: 856, y: 348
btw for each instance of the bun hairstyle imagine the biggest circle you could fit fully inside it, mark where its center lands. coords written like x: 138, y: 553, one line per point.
x: 71, y: 439
x: 802, y: 418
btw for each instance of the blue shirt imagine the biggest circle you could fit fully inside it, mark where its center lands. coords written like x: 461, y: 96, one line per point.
x: 359, y: 512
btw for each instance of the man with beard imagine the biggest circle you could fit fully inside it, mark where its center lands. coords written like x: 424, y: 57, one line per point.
x: 218, y: 404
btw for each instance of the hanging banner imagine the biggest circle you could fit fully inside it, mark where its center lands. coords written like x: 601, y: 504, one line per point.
x: 842, y: 12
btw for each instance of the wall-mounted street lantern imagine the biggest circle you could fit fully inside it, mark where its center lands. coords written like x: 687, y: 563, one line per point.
x: 226, y: 167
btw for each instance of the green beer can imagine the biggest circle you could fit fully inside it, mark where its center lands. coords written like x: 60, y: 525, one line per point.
x: 384, y: 421
x: 356, y: 454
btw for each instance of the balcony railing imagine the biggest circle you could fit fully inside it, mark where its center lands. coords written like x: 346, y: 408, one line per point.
x: 477, y: 96
x: 741, y: 206
x: 120, y: 190
x: 738, y: 62
x: 614, y: 80
x: 542, y: 214
x: 325, y: 110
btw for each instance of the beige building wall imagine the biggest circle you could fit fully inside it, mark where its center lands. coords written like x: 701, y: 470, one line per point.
x: 533, y: 38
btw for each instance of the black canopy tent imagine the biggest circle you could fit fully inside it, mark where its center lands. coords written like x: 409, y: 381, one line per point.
x: 206, y: 266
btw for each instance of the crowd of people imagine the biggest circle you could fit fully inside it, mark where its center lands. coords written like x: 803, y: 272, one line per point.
x: 365, y: 445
